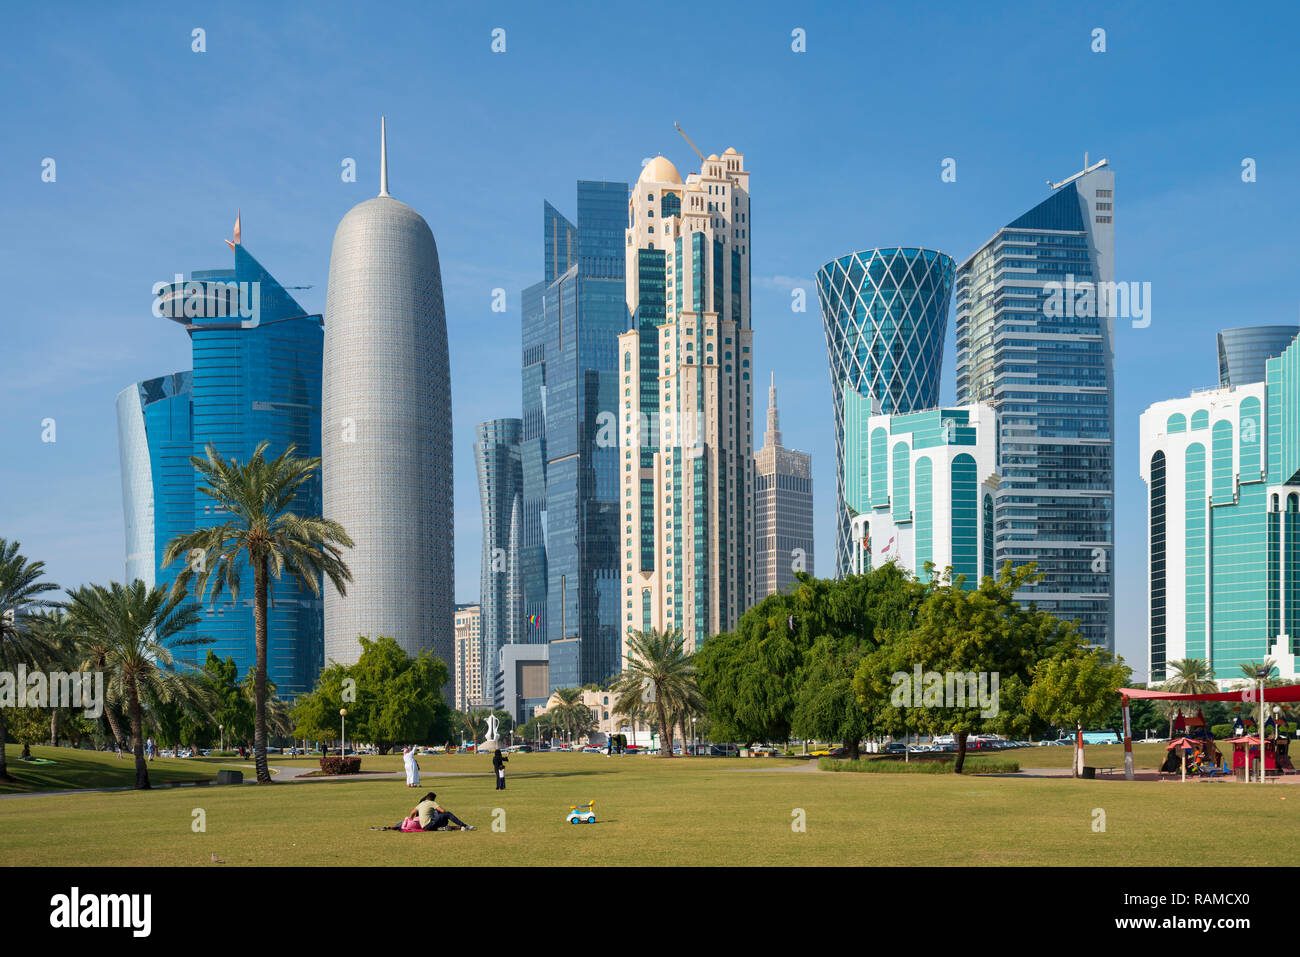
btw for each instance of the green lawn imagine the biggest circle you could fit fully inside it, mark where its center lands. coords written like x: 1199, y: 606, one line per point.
x: 698, y: 811
x: 74, y: 768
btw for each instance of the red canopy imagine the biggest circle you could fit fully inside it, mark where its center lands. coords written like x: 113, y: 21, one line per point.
x: 1283, y: 693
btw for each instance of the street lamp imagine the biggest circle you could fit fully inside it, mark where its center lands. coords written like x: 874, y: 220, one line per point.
x: 222, y: 729
x: 343, y: 731
x: 1261, y: 672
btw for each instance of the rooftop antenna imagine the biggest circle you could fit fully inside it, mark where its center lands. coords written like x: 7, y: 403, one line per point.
x: 383, y: 157
x: 688, y: 139
x: 1086, y: 169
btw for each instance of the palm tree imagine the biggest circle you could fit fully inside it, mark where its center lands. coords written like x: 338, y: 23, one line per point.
x: 56, y: 631
x: 1190, y: 676
x: 661, y: 674
x: 263, y: 533
x: 1251, y: 669
x: 138, y: 627
x: 94, y: 657
x: 565, y: 709
x: 21, y: 586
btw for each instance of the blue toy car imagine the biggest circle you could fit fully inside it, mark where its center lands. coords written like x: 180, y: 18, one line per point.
x: 582, y: 813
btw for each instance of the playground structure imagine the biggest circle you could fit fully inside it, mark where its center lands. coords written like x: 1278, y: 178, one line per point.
x: 1248, y: 764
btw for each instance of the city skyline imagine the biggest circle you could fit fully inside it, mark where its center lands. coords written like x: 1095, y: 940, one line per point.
x: 70, y: 370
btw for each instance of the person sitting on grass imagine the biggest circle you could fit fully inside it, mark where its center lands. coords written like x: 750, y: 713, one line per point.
x: 435, y: 817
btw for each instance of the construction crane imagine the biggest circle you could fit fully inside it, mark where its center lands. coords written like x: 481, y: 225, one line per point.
x: 688, y: 139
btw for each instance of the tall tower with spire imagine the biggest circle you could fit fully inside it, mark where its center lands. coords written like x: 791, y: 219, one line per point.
x: 783, y: 508
x: 386, y: 430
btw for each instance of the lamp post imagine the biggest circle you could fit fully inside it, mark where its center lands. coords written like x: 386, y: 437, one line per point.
x: 343, y: 731
x: 222, y: 728
x: 1262, y: 673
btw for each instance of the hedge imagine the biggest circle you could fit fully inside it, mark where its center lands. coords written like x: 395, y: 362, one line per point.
x: 340, y: 765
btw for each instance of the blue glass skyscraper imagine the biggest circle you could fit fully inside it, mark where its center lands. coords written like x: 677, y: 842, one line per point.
x: 571, y: 321
x: 1035, y: 339
x: 256, y: 377
x: 884, y: 314
x: 500, y: 491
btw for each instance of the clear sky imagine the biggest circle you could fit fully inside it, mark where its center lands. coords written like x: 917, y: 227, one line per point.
x: 156, y: 146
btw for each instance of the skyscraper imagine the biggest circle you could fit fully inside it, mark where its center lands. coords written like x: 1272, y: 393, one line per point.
x: 569, y: 446
x: 467, y: 674
x: 686, y: 403
x: 1049, y: 372
x: 387, y: 431
x: 926, y: 491
x: 1244, y: 352
x: 783, y: 509
x: 256, y: 377
x: 500, y: 492
x: 884, y: 314
x: 1222, y: 468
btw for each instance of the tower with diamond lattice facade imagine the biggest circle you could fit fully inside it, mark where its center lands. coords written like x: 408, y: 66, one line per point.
x: 884, y: 313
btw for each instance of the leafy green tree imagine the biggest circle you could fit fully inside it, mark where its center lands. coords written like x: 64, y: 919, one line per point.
x: 847, y: 620
x: 28, y: 726
x: 262, y: 533
x: 748, y: 676
x: 1077, y: 690
x: 140, y: 627
x: 976, y: 633
x: 22, y: 586
x: 390, y: 698
x: 232, y: 709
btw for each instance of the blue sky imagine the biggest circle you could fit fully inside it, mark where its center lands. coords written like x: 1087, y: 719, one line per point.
x: 156, y: 146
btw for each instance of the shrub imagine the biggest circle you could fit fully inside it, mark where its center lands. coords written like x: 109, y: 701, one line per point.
x: 340, y: 765
x: 875, y: 765
x: 1221, y: 730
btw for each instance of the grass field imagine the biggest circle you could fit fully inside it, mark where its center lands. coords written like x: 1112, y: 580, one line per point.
x: 699, y: 811
x: 73, y: 768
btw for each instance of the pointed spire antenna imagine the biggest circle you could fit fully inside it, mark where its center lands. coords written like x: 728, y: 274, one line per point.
x: 383, y: 157
x: 232, y: 243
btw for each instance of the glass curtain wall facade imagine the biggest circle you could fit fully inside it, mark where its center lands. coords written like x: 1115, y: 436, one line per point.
x: 1035, y: 339
x: 500, y: 491
x: 1244, y: 352
x: 256, y: 377
x: 1222, y: 469
x: 884, y: 316
x: 568, y: 448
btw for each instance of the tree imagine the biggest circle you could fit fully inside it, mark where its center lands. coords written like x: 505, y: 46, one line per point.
x: 21, y: 586
x: 569, y: 712
x: 748, y: 676
x: 1077, y: 690
x: 27, y: 726
x: 963, y: 641
x: 261, y: 533
x: 846, y: 620
x: 62, y: 653
x: 390, y: 698
x: 139, y: 627
x: 660, y: 673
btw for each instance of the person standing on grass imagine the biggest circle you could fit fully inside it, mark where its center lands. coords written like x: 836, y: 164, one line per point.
x: 499, y: 766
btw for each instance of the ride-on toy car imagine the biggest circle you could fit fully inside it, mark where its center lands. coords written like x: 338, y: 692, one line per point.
x: 582, y: 813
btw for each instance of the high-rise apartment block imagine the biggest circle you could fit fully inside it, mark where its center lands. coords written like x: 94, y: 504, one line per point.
x: 685, y: 402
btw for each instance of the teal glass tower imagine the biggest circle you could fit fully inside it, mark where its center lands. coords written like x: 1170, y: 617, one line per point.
x: 884, y: 315
x: 500, y: 492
